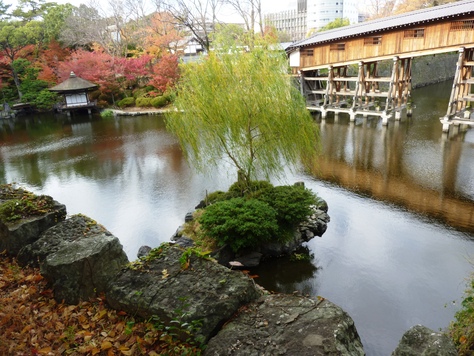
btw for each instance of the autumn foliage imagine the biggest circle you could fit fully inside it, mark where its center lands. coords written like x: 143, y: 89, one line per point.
x: 165, y: 73
x: 33, y: 323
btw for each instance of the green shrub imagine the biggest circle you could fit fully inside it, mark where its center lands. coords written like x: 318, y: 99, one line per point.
x: 139, y: 93
x: 142, y: 102
x: 462, y: 330
x: 170, y: 96
x: 239, y: 222
x: 125, y: 102
x: 291, y: 202
x: 216, y: 196
x: 159, y: 102
x: 239, y: 188
x: 44, y: 100
x: 107, y: 114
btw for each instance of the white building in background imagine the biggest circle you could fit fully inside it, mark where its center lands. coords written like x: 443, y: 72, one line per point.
x: 311, y: 15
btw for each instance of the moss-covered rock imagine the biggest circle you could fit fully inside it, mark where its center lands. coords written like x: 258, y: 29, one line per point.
x: 178, y: 290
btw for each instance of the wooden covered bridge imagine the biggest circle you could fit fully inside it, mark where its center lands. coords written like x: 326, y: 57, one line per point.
x: 339, y: 69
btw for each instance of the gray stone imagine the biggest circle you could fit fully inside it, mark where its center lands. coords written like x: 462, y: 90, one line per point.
x: 223, y: 255
x: 189, y: 217
x: 14, y: 236
x: 143, y: 251
x: 422, y: 341
x: 57, y: 237
x: 281, y: 324
x: 277, y: 248
x: 323, y: 205
x: 315, y: 225
x: 184, y: 241
x: 249, y: 260
x: 199, y: 290
x: 78, y: 257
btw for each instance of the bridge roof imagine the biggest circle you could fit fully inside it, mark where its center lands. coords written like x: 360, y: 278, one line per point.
x: 454, y: 9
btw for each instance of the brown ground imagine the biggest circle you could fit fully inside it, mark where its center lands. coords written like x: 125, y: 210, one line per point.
x: 33, y: 323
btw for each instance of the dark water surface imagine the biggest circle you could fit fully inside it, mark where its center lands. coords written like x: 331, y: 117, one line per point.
x: 400, y: 243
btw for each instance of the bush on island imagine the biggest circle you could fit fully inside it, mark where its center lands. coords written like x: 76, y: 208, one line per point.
x: 250, y: 215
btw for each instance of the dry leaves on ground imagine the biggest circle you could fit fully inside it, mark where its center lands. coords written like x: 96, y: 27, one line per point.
x: 33, y: 323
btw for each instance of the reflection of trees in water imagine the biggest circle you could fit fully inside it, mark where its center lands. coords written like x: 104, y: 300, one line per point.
x: 286, y: 276
x: 89, y: 147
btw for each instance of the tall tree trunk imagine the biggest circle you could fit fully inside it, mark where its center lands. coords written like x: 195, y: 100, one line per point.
x: 17, y: 82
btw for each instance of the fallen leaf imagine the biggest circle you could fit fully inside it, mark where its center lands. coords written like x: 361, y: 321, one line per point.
x: 106, y: 345
x: 45, y: 350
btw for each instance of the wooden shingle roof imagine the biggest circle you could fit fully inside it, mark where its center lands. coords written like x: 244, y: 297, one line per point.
x: 413, y: 18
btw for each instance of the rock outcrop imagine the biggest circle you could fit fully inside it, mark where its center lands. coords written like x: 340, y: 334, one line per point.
x: 280, y: 324
x: 175, y: 285
x: 422, y: 341
x: 315, y: 225
x: 15, y: 235
x: 78, y: 257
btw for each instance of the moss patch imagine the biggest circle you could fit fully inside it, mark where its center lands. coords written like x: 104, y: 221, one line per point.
x: 17, y: 204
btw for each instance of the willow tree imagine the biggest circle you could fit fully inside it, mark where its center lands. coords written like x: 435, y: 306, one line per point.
x: 242, y: 106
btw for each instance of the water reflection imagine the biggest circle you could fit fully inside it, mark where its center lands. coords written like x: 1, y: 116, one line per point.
x: 389, y: 164
x: 288, y: 274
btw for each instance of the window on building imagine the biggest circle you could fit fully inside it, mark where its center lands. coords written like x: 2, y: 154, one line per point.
x: 337, y: 46
x: 373, y: 41
x: 415, y: 33
x: 309, y: 52
x: 462, y: 25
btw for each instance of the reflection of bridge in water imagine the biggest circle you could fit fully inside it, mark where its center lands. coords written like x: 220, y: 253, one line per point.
x: 385, y: 164
x: 339, y: 69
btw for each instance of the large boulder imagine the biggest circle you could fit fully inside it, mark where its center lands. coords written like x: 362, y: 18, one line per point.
x: 422, y: 341
x: 78, y: 257
x: 280, y: 324
x: 178, y: 286
x: 14, y: 235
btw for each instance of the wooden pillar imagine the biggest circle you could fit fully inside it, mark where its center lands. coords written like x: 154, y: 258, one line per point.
x: 329, y: 87
x: 452, y: 104
x: 391, y: 89
x: 358, y: 89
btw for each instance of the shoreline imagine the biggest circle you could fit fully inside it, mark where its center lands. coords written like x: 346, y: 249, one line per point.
x: 136, y: 111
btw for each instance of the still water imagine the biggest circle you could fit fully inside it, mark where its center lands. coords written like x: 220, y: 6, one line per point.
x: 400, y: 243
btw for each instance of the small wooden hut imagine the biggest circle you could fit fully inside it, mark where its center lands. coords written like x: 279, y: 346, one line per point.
x: 75, y: 91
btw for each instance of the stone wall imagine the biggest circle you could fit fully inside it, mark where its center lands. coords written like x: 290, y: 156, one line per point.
x: 433, y: 69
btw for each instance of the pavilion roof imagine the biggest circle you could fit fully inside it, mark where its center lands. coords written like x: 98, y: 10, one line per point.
x: 73, y: 83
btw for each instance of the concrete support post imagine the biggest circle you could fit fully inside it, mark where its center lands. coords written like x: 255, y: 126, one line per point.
x: 324, y: 112
x: 446, y: 124
x: 352, y: 116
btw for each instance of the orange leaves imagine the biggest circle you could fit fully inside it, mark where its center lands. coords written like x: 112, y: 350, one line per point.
x: 106, y: 345
x: 32, y: 323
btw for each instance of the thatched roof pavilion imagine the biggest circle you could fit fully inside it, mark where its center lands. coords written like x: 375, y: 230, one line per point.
x: 74, y: 90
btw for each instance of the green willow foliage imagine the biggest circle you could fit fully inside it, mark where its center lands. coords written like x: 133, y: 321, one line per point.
x: 243, y: 106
